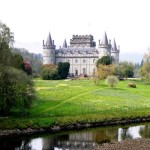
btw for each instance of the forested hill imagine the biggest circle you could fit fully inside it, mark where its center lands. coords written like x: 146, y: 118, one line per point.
x: 34, y: 59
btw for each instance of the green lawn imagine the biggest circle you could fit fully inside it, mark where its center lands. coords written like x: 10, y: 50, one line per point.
x: 70, y: 101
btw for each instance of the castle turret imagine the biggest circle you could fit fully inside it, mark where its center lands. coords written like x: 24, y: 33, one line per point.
x: 49, y: 51
x: 115, y: 52
x: 65, y: 44
x: 104, y: 47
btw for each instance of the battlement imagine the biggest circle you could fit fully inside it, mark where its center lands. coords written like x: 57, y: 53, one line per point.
x: 82, y: 37
x: 82, y: 41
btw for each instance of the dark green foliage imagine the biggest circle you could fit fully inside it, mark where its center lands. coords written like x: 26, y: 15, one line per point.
x: 105, y: 60
x: 16, y: 88
x: 126, y: 69
x: 48, y: 73
x: 63, y: 69
x: 16, y: 61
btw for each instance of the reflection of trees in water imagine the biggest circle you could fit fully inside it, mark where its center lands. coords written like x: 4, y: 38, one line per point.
x: 15, y: 143
x: 105, y: 135
x: 26, y: 145
x: 9, y: 144
x: 51, y: 142
x: 84, y: 140
x: 145, y: 132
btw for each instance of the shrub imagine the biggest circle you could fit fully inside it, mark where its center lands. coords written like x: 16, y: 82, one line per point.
x: 49, y: 74
x: 16, y: 90
x: 63, y: 69
x: 111, y: 80
x: 133, y: 85
x: 27, y: 68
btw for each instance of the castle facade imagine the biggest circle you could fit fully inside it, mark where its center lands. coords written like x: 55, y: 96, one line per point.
x: 82, y: 53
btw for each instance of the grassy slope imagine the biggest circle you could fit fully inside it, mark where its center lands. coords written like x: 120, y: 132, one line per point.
x: 63, y: 102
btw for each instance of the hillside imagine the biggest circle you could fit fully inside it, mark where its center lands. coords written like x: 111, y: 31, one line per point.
x: 34, y: 59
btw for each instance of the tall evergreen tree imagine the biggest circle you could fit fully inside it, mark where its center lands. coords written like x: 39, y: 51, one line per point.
x: 63, y: 69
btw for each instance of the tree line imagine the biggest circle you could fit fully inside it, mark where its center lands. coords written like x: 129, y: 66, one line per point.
x: 35, y: 60
x: 55, y: 72
x: 125, y: 69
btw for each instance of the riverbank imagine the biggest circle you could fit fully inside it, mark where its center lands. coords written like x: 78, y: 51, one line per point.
x: 68, y: 105
x: 140, y: 144
x: 77, y: 126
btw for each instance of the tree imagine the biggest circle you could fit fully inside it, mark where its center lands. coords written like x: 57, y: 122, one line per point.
x: 103, y: 71
x: 6, y: 35
x: 27, y: 68
x: 16, y: 89
x: 49, y: 72
x: 126, y: 69
x: 105, y: 60
x: 111, y: 80
x: 63, y: 69
x: 145, y: 68
x: 16, y: 61
x: 35, y: 60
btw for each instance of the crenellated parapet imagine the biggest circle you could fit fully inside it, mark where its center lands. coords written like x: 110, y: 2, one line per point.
x: 49, y: 44
x: 82, y: 41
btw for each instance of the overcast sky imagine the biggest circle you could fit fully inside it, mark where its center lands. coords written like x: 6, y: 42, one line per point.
x: 128, y: 21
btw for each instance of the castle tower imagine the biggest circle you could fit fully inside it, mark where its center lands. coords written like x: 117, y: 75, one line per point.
x: 104, y: 47
x: 115, y: 53
x: 49, y: 51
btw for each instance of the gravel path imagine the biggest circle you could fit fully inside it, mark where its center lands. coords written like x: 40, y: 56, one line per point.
x: 139, y: 144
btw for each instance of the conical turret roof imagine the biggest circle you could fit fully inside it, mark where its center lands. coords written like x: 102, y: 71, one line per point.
x: 65, y: 44
x: 114, y: 45
x: 104, y: 40
x: 49, y: 40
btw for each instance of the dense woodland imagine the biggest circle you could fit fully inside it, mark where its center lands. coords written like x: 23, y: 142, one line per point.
x: 35, y: 60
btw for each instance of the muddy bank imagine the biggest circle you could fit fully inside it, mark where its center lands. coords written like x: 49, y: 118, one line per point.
x: 57, y: 128
x: 138, y: 144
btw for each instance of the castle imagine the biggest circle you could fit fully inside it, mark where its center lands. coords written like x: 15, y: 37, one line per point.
x: 82, y: 53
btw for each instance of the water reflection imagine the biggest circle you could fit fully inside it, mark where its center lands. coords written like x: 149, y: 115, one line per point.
x: 84, y: 140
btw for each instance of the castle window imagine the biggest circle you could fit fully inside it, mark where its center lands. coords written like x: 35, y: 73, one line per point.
x: 93, y: 71
x: 76, y: 72
x: 76, y: 61
x: 93, y: 60
x: 84, y: 71
x: 68, y: 60
x: 84, y: 61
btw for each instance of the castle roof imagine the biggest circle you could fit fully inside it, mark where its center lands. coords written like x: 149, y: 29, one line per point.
x: 49, y: 40
x: 104, y: 40
x: 114, y: 45
x: 73, y: 50
x: 65, y: 44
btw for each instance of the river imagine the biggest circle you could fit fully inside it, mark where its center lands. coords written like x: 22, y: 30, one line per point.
x: 76, y: 140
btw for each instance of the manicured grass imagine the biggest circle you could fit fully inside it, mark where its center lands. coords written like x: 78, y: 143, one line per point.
x: 71, y: 101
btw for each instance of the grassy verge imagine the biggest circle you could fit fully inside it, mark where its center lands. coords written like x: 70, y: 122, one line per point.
x: 71, y: 101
